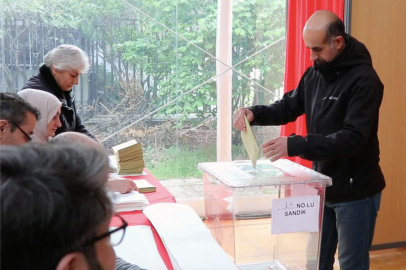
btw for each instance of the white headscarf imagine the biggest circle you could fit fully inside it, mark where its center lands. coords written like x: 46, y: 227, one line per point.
x: 48, y: 105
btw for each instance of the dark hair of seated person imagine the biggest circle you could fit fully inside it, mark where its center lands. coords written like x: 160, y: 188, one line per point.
x: 53, y: 201
x: 14, y: 108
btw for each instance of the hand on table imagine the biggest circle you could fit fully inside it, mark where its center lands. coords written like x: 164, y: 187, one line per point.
x: 276, y: 148
x: 121, y: 185
x: 239, y: 121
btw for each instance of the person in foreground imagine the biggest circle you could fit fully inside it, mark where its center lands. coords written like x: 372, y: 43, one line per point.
x: 116, y: 184
x: 113, y: 184
x: 61, y: 70
x: 17, y: 119
x: 50, y: 109
x: 55, y: 210
x: 340, y: 95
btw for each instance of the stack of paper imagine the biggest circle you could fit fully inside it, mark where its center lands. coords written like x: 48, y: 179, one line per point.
x: 113, y: 167
x: 144, y: 186
x: 129, y: 158
x: 188, y: 242
x: 129, y: 201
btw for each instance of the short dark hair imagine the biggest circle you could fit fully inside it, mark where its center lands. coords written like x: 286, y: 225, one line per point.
x: 53, y: 200
x: 14, y: 108
x: 334, y: 29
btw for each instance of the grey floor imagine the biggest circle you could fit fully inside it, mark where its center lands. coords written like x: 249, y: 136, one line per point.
x: 187, y: 191
x: 184, y: 188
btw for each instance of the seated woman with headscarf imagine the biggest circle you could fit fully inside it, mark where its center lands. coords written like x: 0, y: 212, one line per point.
x: 50, y: 110
x: 61, y: 70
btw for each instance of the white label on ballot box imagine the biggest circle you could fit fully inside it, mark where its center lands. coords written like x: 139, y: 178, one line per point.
x: 295, y: 214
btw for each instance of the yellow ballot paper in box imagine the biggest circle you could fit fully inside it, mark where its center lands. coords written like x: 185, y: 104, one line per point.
x: 250, y: 143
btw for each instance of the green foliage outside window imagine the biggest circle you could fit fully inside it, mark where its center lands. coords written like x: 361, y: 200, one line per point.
x: 139, y: 66
x: 165, y: 65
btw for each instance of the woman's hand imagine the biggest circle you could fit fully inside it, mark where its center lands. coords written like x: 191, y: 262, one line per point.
x: 121, y: 185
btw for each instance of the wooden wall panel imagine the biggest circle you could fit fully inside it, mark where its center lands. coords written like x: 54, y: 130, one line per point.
x: 380, y: 25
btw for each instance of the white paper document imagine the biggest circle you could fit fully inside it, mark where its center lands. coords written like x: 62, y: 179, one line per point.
x: 188, y: 242
x: 295, y: 214
x: 128, y: 202
x: 130, y: 197
x: 123, y: 175
x: 139, y: 247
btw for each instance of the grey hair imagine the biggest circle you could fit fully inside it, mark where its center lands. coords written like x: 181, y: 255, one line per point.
x: 67, y: 57
x: 54, y: 195
x: 72, y: 137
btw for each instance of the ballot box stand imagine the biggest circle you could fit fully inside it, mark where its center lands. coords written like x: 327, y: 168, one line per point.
x: 238, y: 209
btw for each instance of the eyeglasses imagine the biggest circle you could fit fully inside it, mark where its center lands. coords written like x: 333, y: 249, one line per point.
x: 115, y: 239
x: 27, y: 137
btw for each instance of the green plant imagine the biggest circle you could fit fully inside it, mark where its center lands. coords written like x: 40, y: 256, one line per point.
x: 179, y: 162
x: 182, y: 162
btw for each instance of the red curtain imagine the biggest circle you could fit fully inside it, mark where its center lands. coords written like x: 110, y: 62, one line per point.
x: 298, y: 56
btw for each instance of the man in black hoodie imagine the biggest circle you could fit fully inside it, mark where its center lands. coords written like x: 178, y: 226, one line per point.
x: 340, y: 96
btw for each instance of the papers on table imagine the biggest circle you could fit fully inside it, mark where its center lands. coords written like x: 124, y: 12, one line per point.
x: 123, y: 175
x: 139, y: 247
x: 144, y: 186
x: 250, y: 143
x: 188, y: 242
x: 113, y: 164
x: 128, y: 202
x: 129, y: 157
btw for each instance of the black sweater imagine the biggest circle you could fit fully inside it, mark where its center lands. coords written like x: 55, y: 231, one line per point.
x: 69, y: 119
x: 341, y: 101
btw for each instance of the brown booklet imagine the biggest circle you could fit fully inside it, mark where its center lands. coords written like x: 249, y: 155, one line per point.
x: 144, y: 186
x: 129, y: 158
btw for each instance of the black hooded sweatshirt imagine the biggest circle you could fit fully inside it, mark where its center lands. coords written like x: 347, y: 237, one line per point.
x: 70, y: 120
x: 341, y: 101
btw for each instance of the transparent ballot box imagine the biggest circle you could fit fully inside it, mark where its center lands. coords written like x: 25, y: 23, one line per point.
x: 268, y: 217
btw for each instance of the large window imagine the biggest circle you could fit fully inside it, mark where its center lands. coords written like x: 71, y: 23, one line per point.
x: 153, y: 68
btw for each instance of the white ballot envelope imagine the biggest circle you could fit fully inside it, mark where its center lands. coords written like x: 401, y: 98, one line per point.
x: 250, y: 143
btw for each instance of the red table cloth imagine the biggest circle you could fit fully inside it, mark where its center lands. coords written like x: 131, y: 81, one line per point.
x: 134, y: 218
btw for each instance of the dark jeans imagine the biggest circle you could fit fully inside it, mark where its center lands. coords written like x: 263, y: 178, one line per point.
x: 351, y: 225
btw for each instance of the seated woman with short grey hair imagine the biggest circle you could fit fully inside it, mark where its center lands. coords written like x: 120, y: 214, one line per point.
x: 61, y: 70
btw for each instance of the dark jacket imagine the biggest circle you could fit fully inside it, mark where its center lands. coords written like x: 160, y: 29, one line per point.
x: 69, y: 119
x: 341, y: 101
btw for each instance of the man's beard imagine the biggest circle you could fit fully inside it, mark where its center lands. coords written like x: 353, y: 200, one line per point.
x: 320, y: 61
